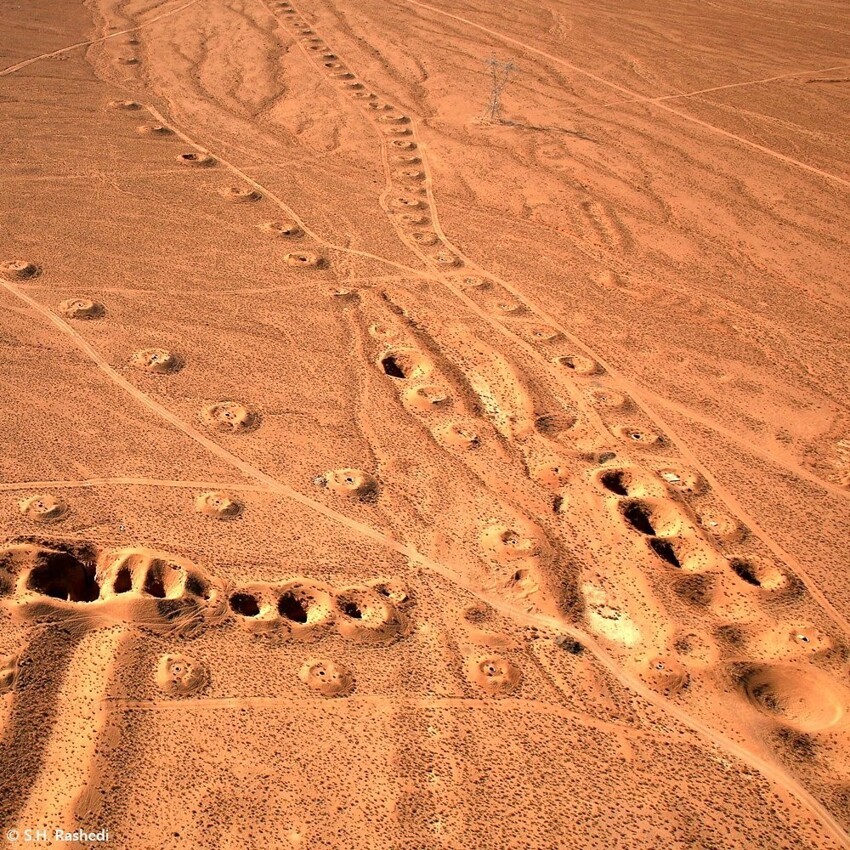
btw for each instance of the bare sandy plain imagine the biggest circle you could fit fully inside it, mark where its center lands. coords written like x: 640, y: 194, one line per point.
x: 374, y: 476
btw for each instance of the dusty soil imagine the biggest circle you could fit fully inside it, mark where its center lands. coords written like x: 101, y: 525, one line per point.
x: 378, y: 475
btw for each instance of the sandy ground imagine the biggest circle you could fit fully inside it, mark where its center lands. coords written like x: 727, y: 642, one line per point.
x: 378, y: 476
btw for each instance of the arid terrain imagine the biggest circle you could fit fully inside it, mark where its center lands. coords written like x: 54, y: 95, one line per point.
x: 375, y: 474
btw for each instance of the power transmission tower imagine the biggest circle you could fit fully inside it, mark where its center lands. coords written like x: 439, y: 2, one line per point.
x: 501, y: 73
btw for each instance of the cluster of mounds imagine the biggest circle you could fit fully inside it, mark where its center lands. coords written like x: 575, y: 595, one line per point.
x: 300, y: 608
x: 88, y: 586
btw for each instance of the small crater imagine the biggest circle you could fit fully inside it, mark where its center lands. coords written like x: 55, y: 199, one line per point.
x: 43, y: 508
x: 304, y: 260
x: 239, y: 194
x: 81, y: 308
x: 19, y: 270
x: 156, y: 361
x: 244, y: 604
x: 327, y: 677
x: 230, y: 417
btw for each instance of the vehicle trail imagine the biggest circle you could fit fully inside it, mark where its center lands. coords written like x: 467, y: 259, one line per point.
x: 26, y: 62
x: 788, y: 160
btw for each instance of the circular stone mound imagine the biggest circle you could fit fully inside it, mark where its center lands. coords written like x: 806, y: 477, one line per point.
x: 578, y: 364
x: 425, y: 237
x: 156, y: 361
x: 724, y: 527
x: 667, y: 674
x: 351, y: 483
x: 554, y: 425
x: 512, y: 542
x: 197, y: 159
x: 406, y: 202
x: 427, y: 398
x: 412, y: 219
x: 366, y: 616
x: 155, y: 130
x: 543, y: 333
x: 638, y: 435
x: 551, y: 475
x: 238, y: 195
x: 494, y: 674
x: 410, y: 174
x: 394, y: 119
x: 218, y: 506
x: 305, y: 260
x: 43, y: 508
x: 804, y: 698
x: 81, y: 308
x: 127, y: 105
x: 230, y: 417
x: 19, y: 269
x: 327, y: 677
x: 288, y: 229
x: 179, y: 675
x: 393, y: 589
x: 476, y: 283
x: 403, y: 144
x: 459, y: 436
x: 683, y: 480
x: 606, y: 399
x: 444, y: 258
x: 811, y: 640
x: 510, y: 308
x: 384, y: 332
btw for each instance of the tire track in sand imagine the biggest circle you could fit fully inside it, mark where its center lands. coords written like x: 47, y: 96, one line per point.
x: 788, y: 160
x: 772, y: 772
x: 26, y: 62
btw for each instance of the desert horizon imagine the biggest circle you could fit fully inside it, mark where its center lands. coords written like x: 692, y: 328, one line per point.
x: 425, y: 424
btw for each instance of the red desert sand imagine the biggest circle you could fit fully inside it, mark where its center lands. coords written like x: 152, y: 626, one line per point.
x: 425, y: 424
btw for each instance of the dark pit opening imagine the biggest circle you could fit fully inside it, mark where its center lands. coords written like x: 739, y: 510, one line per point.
x: 244, y: 604
x: 350, y: 608
x: 154, y: 585
x: 616, y: 481
x: 664, y: 549
x: 745, y: 571
x: 557, y: 504
x: 123, y: 581
x: 639, y: 517
x: 197, y: 587
x: 392, y: 367
x: 293, y: 608
x: 60, y: 575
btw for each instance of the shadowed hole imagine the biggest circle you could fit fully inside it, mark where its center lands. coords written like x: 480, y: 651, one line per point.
x: 62, y: 576
x: 616, y: 481
x: 123, y: 581
x: 197, y: 587
x: 154, y: 585
x: 292, y: 608
x: 664, y: 549
x: 392, y: 367
x: 639, y: 518
x: 244, y: 604
x: 350, y: 608
x: 745, y: 572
